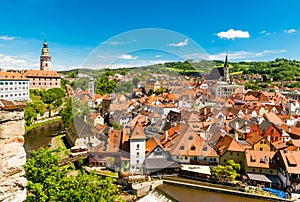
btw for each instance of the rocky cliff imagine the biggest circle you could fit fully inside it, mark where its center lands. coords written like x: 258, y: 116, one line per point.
x: 12, y: 153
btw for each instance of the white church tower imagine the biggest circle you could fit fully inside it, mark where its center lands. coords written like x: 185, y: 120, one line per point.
x: 91, y: 89
x: 137, y: 149
x: 45, y: 58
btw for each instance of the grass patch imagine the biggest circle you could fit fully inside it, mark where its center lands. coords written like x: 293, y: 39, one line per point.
x: 32, y: 126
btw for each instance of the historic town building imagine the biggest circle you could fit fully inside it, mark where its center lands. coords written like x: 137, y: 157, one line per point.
x: 14, y: 86
x: 44, y: 78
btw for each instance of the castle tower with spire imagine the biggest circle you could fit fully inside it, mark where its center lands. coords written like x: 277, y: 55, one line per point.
x: 226, y: 70
x: 45, y: 58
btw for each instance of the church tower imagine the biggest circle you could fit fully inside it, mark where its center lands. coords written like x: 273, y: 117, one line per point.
x: 226, y: 70
x: 91, y: 89
x: 45, y: 58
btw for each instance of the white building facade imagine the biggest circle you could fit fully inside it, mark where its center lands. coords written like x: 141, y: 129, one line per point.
x: 14, y: 86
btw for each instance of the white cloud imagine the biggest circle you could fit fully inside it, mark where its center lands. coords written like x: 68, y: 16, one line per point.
x: 115, y: 43
x: 179, y: 44
x: 128, y: 57
x: 232, y: 34
x: 290, y: 31
x: 263, y: 32
x: 7, y: 38
x: 11, y: 62
x: 159, y: 56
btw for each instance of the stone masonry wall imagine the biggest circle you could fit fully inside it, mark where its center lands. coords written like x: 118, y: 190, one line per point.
x: 12, y: 153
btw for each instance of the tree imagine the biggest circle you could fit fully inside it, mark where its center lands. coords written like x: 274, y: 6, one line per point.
x: 227, y: 172
x: 135, y: 81
x: 48, y: 181
x: 29, y: 114
x: 52, y: 94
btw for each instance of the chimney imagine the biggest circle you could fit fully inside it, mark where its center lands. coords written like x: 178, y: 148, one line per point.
x: 247, y: 129
x: 205, y: 110
x: 289, y: 129
x: 167, y: 134
x: 236, y: 136
x: 236, y: 125
x: 269, y: 138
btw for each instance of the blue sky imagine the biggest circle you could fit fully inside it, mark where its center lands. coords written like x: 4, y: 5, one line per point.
x: 78, y: 32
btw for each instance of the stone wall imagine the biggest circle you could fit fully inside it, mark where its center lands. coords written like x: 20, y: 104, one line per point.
x: 12, y: 152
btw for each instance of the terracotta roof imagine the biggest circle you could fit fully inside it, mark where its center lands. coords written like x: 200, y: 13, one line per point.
x: 227, y: 143
x: 291, y: 161
x: 93, y: 115
x: 291, y: 129
x: 260, y: 159
x: 98, y: 128
x: 279, y: 145
x: 182, y: 140
x: 254, y: 138
x: 272, y: 117
x: 12, y: 76
x: 11, y: 105
x: 42, y: 73
x: 151, y: 144
x: 138, y: 132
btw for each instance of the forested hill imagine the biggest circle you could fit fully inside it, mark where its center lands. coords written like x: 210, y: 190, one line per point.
x: 279, y: 70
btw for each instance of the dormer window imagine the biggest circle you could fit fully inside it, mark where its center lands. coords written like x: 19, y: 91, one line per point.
x: 181, y: 147
x: 193, y: 148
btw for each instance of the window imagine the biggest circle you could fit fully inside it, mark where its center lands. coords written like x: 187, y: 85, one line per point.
x: 237, y: 154
x: 230, y: 153
x: 137, y: 161
x: 137, y: 146
x: 271, y: 171
x: 186, y: 158
x: 204, y: 159
x: 261, y: 142
x: 224, y: 160
x: 137, y: 154
x: 193, y: 148
x: 253, y: 170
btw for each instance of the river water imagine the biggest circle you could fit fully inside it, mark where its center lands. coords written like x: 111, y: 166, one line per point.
x: 41, y: 136
x: 183, y: 194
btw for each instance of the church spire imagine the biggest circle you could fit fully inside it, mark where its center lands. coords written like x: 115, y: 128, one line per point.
x: 226, y: 70
x: 226, y: 61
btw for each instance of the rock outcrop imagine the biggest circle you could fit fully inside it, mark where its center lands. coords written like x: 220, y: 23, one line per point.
x: 12, y: 153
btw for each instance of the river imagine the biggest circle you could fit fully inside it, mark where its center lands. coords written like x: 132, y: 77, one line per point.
x: 183, y: 194
x: 41, y: 136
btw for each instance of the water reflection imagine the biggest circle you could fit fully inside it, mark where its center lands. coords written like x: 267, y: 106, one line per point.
x: 41, y: 136
x: 187, y: 194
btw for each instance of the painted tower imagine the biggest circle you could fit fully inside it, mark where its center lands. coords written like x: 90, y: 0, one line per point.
x: 91, y: 89
x: 45, y: 58
x: 226, y: 70
x: 137, y: 149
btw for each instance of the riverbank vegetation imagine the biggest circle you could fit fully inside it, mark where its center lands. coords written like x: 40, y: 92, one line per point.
x: 48, y: 181
x: 41, y: 123
x: 43, y: 102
